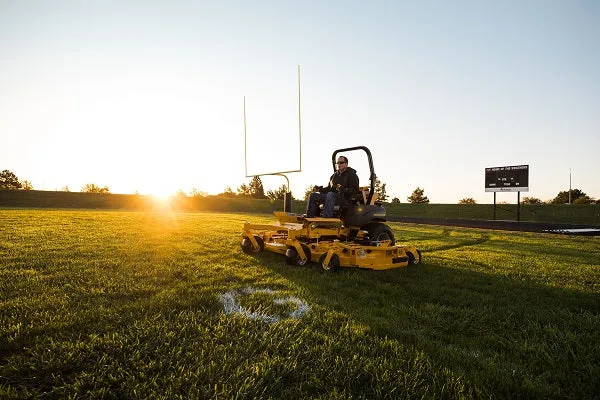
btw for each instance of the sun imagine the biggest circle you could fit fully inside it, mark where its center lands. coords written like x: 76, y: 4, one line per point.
x: 157, y: 189
x: 161, y: 195
x: 162, y: 199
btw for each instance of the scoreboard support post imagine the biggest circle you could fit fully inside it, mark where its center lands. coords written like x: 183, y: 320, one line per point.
x: 513, y: 178
x: 518, y: 206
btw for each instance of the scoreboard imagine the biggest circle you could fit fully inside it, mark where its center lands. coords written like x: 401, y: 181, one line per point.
x: 513, y: 178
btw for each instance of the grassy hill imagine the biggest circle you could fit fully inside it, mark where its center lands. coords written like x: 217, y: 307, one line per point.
x: 551, y: 213
x: 561, y: 213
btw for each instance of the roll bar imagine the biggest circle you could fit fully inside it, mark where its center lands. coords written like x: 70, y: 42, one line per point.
x: 372, y: 176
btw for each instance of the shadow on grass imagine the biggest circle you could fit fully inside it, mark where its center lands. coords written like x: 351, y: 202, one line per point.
x: 507, y: 338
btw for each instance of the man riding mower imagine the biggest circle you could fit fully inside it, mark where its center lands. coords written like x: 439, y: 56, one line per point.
x: 351, y: 233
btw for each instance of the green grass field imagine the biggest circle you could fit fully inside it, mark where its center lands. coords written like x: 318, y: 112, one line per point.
x: 107, y: 304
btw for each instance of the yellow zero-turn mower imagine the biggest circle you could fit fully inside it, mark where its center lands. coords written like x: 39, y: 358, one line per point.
x: 359, y: 238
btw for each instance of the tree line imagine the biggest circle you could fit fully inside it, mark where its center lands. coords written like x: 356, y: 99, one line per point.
x: 9, y: 181
x: 577, y: 196
x: 255, y: 189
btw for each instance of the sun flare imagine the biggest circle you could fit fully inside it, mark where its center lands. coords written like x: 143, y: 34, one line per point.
x: 162, y: 199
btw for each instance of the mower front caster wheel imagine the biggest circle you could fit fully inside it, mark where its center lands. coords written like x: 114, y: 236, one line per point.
x: 334, y: 263
x: 412, y: 260
x: 249, y: 249
x: 293, y: 258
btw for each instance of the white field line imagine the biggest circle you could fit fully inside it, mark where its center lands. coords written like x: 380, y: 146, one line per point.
x: 232, y: 306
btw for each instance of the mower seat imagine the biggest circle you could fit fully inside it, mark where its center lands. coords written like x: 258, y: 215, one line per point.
x: 365, y: 190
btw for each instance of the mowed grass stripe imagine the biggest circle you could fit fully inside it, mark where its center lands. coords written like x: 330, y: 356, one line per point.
x: 126, y: 305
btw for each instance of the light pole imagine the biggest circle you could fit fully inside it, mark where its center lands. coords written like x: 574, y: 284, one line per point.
x: 570, y: 186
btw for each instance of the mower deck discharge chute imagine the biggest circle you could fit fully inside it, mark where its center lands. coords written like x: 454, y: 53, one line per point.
x: 359, y: 238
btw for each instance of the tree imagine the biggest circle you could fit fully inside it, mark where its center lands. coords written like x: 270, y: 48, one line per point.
x: 418, y: 196
x: 563, y: 197
x: 308, y: 191
x: 65, y: 189
x: 9, y: 181
x: 380, y: 190
x: 26, y: 185
x: 584, y: 200
x: 395, y: 200
x: 467, y: 200
x: 243, y: 190
x: 278, y: 194
x: 197, y: 193
x: 253, y: 189
x: 256, y: 188
x: 228, y: 192
x: 531, y: 200
x: 93, y: 188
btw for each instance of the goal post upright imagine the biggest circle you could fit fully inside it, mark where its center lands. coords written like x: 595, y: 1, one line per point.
x: 300, y: 123
x: 299, y: 141
x: 280, y: 173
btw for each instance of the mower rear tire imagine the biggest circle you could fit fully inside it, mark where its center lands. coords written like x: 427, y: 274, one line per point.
x: 293, y: 258
x: 334, y: 263
x: 249, y: 249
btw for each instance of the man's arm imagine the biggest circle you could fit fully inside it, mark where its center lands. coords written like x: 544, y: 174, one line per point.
x: 353, y: 184
x: 352, y: 187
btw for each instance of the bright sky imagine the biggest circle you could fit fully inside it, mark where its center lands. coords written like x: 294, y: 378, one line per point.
x: 147, y: 96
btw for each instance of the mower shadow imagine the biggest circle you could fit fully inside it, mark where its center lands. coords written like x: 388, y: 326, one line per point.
x: 506, y: 337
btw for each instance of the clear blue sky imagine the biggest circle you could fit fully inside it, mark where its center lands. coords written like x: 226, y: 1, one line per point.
x: 147, y: 96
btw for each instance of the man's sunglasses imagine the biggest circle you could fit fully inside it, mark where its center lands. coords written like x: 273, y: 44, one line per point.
x: 341, y: 162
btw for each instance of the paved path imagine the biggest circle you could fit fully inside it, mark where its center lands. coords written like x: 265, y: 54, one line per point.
x: 503, y: 225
